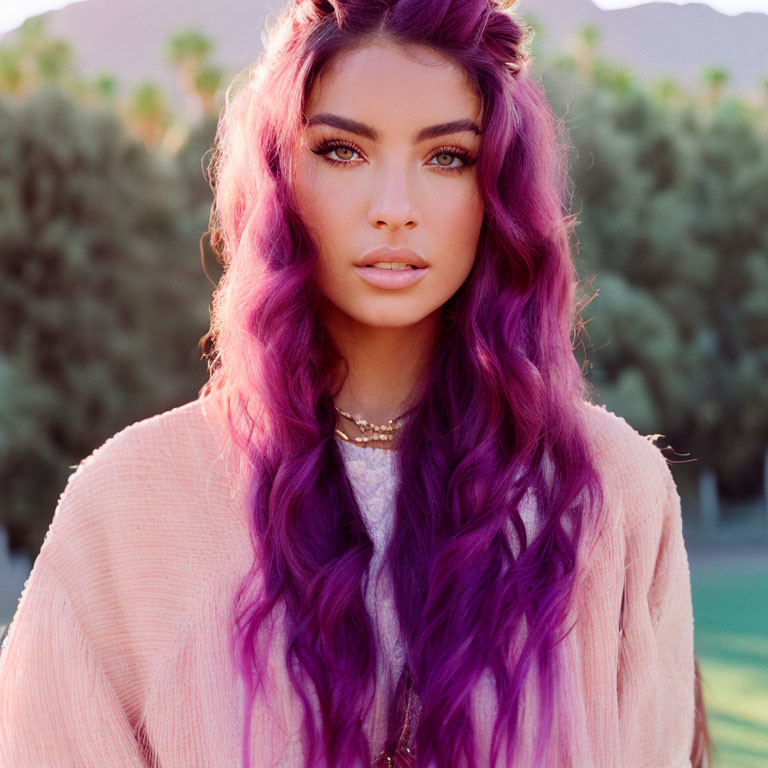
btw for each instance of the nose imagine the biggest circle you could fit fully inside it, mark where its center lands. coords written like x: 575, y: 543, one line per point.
x: 393, y: 204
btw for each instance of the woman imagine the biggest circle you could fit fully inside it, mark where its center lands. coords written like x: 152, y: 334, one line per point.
x: 392, y: 530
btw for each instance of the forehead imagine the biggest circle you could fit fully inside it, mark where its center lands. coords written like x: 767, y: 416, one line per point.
x: 387, y: 84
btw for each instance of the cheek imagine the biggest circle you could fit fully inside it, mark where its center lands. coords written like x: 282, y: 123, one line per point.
x: 306, y: 192
x: 324, y: 205
x: 475, y: 212
x: 458, y: 219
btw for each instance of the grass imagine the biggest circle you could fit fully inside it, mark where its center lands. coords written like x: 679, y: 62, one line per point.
x: 730, y: 608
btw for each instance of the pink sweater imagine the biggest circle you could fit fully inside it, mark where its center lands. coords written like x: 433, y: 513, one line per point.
x: 117, y: 654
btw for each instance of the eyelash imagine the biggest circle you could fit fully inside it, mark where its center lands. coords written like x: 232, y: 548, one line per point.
x: 325, y: 146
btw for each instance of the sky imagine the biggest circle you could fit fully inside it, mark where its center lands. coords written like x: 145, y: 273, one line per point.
x: 13, y: 13
x: 731, y: 7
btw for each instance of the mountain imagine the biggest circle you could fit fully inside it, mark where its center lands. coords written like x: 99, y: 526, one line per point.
x: 660, y: 39
x: 126, y: 37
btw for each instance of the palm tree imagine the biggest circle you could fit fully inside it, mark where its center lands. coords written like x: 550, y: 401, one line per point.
x: 55, y: 62
x: 188, y: 51
x: 587, y: 40
x: 11, y: 73
x: 207, y: 85
x: 31, y: 58
x: 148, y: 113
x: 105, y: 87
x: 715, y: 78
x: 668, y: 90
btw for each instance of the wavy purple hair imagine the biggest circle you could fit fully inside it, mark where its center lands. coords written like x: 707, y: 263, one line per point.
x: 499, y: 412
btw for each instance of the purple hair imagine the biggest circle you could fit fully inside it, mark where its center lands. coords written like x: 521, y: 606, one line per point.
x: 499, y: 413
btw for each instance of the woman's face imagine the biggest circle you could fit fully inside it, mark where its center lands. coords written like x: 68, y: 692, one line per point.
x: 377, y: 183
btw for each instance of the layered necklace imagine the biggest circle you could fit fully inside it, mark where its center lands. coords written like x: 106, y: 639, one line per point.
x: 373, y: 435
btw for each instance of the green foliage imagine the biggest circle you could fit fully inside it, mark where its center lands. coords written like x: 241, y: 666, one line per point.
x: 103, y: 301
x: 31, y: 58
x: 671, y: 195
x: 731, y: 644
x: 188, y: 45
x: 148, y: 100
x: 637, y: 360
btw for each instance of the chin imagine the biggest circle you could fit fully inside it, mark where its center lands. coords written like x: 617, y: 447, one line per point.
x: 389, y: 318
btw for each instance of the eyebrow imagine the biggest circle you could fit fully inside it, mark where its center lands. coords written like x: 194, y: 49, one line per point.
x: 353, y: 126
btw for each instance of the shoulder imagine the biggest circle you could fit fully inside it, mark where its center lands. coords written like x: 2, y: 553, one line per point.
x: 139, y: 455
x: 148, y: 441
x: 635, y: 472
x: 143, y: 526
x: 149, y: 479
x: 619, y: 448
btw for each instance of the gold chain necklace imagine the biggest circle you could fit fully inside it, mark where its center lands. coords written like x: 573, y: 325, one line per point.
x: 372, y: 433
x: 403, y: 756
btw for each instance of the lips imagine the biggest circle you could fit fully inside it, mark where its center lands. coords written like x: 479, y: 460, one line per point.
x: 392, y: 279
x: 386, y: 254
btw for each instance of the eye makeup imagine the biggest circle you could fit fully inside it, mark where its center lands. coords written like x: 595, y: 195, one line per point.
x: 326, y: 146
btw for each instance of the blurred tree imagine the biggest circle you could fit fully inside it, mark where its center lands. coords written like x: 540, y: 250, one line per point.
x: 587, y: 40
x: 105, y: 88
x: 29, y: 58
x: 716, y: 78
x: 208, y: 82
x: 103, y: 300
x: 188, y: 51
x: 32, y: 58
x: 149, y: 113
x: 638, y: 356
x: 621, y: 80
x: 668, y: 90
x: 730, y: 211
x: 672, y: 205
x: 11, y: 74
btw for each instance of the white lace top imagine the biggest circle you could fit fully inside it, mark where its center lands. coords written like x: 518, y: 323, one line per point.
x: 371, y: 472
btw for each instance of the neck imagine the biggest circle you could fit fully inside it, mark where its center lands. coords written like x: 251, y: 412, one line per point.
x: 386, y: 365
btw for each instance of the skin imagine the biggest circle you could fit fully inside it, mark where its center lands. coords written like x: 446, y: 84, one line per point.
x: 395, y: 193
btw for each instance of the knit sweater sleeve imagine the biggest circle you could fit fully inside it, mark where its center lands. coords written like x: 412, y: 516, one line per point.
x: 59, y: 693
x: 655, y: 684
x: 142, y: 529
x: 57, y: 706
